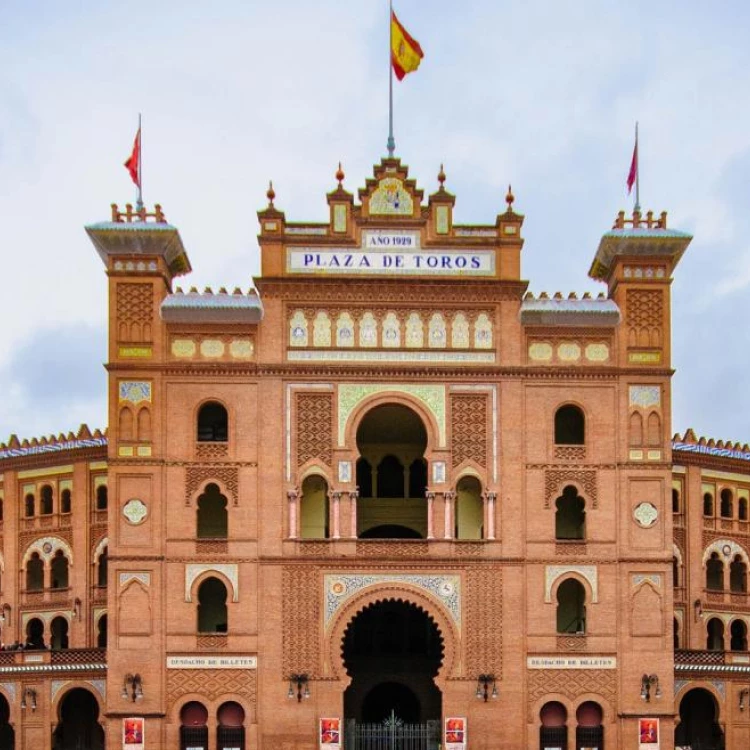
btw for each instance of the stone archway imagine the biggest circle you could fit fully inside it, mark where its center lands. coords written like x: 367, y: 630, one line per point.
x: 78, y: 725
x: 699, y: 721
x: 392, y: 652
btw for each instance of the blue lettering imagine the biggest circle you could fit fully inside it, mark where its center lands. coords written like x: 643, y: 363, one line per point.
x: 475, y: 262
x: 432, y: 261
x: 399, y: 261
x: 348, y: 261
x: 308, y: 258
x: 460, y: 262
x: 364, y: 262
x: 335, y: 261
x: 446, y: 261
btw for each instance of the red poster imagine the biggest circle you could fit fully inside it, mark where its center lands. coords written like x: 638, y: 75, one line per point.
x: 648, y: 734
x: 455, y: 733
x: 133, y: 734
x: 330, y: 734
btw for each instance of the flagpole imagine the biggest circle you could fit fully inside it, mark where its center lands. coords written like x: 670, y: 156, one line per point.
x: 391, y: 141
x: 637, y: 206
x: 139, y: 202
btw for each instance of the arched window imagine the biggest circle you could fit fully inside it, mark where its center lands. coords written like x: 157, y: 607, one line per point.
x: 390, y: 477
x: 675, y: 500
x: 231, y: 729
x: 101, y: 568
x: 553, y: 731
x: 34, y: 573
x: 635, y: 430
x: 714, y: 573
x: 738, y: 576
x: 65, y: 501
x: 675, y: 571
x: 101, y: 632
x: 742, y: 509
x: 34, y: 633
x: 364, y: 477
x: 708, y: 504
x: 59, y: 567
x: 570, y: 426
x: 676, y: 633
x: 45, y: 501
x: 654, y: 429
x: 571, y: 607
x: 212, y: 514
x: 193, y: 729
x: 101, y: 497
x: 213, y: 423
x: 715, y: 630
x: 59, y: 633
x: 314, y: 508
x: 738, y: 634
x: 726, y: 503
x: 418, y: 478
x: 570, y: 517
x: 589, y: 732
x: 469, y: 509
x: 29, y: 502
x: 212, y: 606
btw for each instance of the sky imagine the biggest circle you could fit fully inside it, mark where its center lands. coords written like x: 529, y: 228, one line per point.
x: 540, y: 94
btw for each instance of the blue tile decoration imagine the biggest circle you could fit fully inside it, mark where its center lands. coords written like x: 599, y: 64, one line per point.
x: 711, y: 451
x: 446, y: 589
x: 67, y: 445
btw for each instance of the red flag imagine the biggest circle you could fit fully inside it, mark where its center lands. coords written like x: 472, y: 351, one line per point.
x: 133, y: 164
x: 633, y: 173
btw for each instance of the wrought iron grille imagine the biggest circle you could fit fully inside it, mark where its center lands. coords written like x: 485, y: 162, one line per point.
x: 392, y: 734
x: 553, y: 737
x: 590, y: 737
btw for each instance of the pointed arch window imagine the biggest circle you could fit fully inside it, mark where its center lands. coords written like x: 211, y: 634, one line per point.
x: 212, y: 606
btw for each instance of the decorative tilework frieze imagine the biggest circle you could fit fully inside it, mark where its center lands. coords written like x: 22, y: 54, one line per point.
x: 142, y: 577
x: 446, y: 589
x: 431, y: 396
x: 135, y: 391
x: 653, y: 578
x: 553, y: 572
x: 645, y: 396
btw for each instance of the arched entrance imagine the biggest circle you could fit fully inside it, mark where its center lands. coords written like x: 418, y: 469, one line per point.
x: 699, y: 722
x: 7, y: 735
x: 78, y: 727
x: 392, y: 651
x: 391, y: 474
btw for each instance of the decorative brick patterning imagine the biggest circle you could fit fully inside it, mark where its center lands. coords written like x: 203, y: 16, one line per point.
x: 484, y: 622
x: 197, y: 475
x: 301, y: 617
x: 314, y: 427
x: 571, y: 683
x: 555, y: 479
x: 644, y: 317
x: 134, y: 312
x: 211, y: 451
x: 211, y: 683
x: 469, y: 433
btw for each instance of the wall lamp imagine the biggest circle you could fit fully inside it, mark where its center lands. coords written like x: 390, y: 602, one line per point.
x: 298, y: 687
x: 697, y: 609
x: 5, y: 611
x: 483, y: 687
x: 744, y: 694
x: 132, y: 687
x: 29, y: 693
x: 647, y: 681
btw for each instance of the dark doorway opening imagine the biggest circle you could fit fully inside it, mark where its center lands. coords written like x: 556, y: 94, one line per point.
x: 393, y: 652
x: 699, y: 726
x: 78, y: 726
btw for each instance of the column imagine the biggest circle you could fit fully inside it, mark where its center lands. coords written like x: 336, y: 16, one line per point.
x: 491, y: 498
x: 293, y: 498
x: 450, y: 498
x: 353, y: 496
x: 335, y: 513
x: 430, y: 509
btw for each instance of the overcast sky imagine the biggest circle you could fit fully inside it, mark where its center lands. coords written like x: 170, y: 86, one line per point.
x: 540, y: 94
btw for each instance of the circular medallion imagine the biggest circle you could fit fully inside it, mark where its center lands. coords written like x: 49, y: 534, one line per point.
x: 446, y: 588
x: 47, y: 548
x: 135, y: 511
x: 645, y: 515
x: 338, y: 588
x: 727, y: 550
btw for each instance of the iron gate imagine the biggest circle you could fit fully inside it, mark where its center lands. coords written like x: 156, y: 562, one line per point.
x: 392, y: 734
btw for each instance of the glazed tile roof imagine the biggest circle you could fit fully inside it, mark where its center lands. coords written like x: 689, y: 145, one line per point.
x: 212, y: 307
x: 712, y: 450
x: 572, y: 311
x: 40, y: 448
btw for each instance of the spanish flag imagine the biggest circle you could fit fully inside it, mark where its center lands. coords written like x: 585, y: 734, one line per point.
x: 406, y: 54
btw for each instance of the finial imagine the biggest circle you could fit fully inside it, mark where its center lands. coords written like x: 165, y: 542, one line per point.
x: 340, y: 175
x: 509, y: 198
x: 270, y: 194
x: 441, y: 176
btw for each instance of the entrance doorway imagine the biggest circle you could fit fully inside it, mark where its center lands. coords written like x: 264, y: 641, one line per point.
x: 392, y: 474
x: 699, y: 726
x: 393, y: 652
x: 78, y: 728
